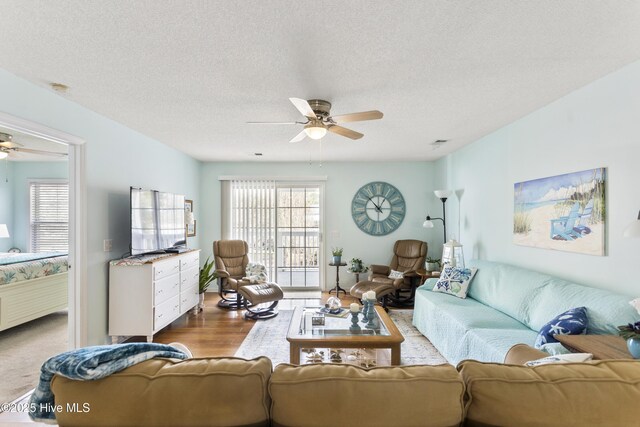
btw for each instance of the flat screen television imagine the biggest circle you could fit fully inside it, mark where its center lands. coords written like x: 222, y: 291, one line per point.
x: 157, y: 222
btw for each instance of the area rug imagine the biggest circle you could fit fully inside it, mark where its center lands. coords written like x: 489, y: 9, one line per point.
x: 24, y: 348
x: 268, y: 338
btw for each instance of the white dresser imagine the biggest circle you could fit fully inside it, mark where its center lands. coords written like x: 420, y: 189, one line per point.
x: 146, y: 297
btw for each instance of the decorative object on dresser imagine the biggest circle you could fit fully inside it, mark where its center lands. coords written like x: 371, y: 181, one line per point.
x: 148, y: 292
x: 563, y: 212
x: 443, y: 195
x: 189, y: 220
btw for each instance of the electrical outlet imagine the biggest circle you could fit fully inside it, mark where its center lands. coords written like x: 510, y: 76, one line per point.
x: 107, y: 245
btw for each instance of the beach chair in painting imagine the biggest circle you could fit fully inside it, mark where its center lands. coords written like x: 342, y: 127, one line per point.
x: 562, y: 228
x: 583, y: 225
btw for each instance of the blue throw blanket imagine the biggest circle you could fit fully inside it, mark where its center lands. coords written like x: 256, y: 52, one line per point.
x: 91, y: 363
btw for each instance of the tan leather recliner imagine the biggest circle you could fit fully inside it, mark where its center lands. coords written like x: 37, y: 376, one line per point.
x: 408, y: 256
x: 231, y: 258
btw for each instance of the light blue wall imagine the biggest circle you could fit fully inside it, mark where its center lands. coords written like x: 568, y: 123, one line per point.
x: 595, y: 126
x: 413, y: 179
x: 117, y: 157
x: 6, y: 202
x: 22, y: 173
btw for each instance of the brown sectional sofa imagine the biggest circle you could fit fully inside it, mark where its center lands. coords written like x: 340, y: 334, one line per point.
x: 238, y: 392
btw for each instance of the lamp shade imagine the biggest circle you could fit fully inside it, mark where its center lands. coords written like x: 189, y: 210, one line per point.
x: 315, y: 132
x: 3, y: 154
x: 4, y: 231
x: 428, y: 224
x: 442, y: 194
x: 633, y: 229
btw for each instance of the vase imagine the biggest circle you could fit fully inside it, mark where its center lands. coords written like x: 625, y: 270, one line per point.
x: 432, y: 266
x: 337, y: 259
x: 633, y: 344
x: 201, y: 301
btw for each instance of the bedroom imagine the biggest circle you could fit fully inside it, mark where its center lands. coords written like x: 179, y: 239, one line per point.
x: 33, y: 256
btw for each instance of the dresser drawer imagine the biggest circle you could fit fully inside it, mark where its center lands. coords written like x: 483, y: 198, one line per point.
x: 188, y: 299
x: 189, y: 278
x: 165, y: 288
x: 190, y: 261
x: 166, y: 312
x: 165, y: 268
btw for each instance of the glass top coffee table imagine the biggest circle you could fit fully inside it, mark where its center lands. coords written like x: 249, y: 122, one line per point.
x: 336, y: 334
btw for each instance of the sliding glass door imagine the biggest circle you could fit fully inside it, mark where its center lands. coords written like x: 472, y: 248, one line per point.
x: 282, y: 223
x: 298, y: 235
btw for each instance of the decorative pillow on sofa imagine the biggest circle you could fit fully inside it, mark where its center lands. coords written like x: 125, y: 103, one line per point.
x: 396, y: 274
x: 256, y: 273
x: 455, y: 281
x: 571, y: 322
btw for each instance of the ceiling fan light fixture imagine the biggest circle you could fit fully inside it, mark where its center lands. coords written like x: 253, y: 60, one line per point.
x: 315, y: 130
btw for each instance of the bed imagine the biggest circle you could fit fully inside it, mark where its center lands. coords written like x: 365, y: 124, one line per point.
x: 32, y: 285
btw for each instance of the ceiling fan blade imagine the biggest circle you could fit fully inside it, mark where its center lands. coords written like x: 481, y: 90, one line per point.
x: 358, y: 117
x: 10, y: 144
x: 46, y: 153
x: 275, y: 123
x: 303, y: 106
x: 345, y: 132
x: 299, y: 137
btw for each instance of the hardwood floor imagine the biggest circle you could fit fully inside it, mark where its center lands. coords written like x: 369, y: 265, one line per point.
x: 219, y: 332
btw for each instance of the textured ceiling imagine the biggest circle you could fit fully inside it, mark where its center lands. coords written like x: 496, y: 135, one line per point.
x: 191, y: 73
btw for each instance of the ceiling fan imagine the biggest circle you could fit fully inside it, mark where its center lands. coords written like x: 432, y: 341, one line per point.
x: 320, y: 120
x: 8, y: 147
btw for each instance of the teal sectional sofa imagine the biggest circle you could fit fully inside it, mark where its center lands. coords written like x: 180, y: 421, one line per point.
x: 507, y: 305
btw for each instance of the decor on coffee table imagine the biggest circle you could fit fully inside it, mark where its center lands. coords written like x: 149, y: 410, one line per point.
x: 337, y: 334
x: 563, y: 212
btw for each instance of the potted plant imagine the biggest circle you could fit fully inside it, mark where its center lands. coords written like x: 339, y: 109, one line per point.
x: 206, y: 277
x: 433, y: 264
x: 631, y: 333
x: 357, y: 266
x: 337, y: 255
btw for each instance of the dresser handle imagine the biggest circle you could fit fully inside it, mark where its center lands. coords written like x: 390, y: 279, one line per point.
x: 160, y: 315
x: 158, y: 272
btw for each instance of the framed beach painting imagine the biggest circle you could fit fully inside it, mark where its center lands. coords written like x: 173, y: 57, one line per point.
x: 563, y: 212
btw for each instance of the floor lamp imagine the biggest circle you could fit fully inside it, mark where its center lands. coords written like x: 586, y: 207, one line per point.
x: 443, y: 195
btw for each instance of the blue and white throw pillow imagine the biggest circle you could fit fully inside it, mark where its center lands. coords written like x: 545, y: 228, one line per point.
x: 455, y: 281
x: 571, y: 322
x: 256, y: 273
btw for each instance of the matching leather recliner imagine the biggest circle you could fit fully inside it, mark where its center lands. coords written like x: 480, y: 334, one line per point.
x: 408, y: 256
x: 231, y: 258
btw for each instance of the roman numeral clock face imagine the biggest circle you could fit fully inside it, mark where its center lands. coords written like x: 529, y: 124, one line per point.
x: 378, y: 208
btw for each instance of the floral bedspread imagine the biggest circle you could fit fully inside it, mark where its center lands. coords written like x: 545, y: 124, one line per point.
x: 13, y: 273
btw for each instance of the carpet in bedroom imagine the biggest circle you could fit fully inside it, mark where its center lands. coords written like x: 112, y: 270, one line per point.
x: 24, y: 348
x: 268, y: 338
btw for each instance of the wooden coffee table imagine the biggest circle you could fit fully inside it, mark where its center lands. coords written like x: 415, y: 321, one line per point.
x: 336, y: 334
x: 601, y: 346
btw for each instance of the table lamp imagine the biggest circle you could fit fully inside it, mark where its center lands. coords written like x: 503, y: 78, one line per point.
x: 633, y: 229
x: 4, y: 231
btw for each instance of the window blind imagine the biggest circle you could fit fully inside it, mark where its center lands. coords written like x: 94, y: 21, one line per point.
x: 253, y: 219
x: 48, y: 216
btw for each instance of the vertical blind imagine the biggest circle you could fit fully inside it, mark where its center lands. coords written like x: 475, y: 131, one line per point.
x: 49, y: 216
x: 253, y: 219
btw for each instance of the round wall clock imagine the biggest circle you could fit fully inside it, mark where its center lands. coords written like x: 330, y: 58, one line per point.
x: 378, y: 208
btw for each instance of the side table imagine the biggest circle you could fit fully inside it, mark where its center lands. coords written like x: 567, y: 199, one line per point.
x: 601, y: 346
x: 424, y: 275
x: 337, y: 289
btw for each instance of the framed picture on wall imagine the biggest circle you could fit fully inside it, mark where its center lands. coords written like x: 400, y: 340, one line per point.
x: 189, y: 220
